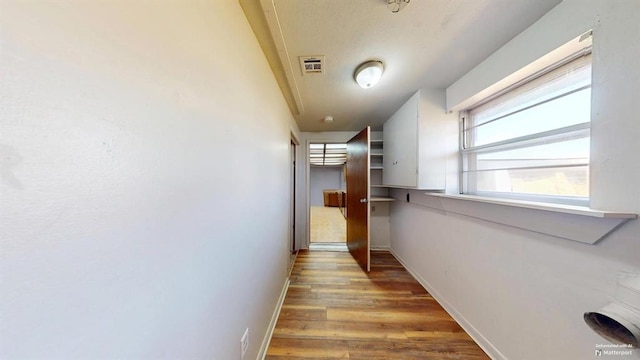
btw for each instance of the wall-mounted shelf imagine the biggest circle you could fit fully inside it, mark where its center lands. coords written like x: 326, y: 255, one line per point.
x: 382, y: 199
x: 379, y: 199
x: 562, y: 221
x: 558, y: 208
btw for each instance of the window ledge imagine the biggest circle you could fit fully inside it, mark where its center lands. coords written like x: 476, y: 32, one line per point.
x: 559, y: 208
x: 563, y: 221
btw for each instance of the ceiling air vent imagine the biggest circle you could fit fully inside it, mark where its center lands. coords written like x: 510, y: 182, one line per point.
x: 312, y: 64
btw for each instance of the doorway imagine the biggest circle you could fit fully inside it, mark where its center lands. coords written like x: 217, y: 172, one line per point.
x: 327, y: 195
x: 293, y: 178
x: 292, y: 205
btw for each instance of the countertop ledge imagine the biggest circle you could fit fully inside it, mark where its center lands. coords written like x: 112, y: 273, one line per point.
x: 559, y: 208
x: 576, y: 223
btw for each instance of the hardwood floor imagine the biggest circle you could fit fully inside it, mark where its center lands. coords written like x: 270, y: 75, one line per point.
x: 334, y: 310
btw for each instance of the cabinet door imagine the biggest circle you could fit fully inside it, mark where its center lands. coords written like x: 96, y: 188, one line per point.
x: 400, y: 134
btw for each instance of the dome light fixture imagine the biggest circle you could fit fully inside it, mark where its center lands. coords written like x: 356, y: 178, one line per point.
x: 369, y: 73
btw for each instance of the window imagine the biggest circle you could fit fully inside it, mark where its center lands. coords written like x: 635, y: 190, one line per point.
x: 531, y: 141
x: 327, y: 154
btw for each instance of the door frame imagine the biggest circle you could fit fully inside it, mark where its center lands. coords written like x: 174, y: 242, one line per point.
x: 294, y: 191
x: 335, y: 137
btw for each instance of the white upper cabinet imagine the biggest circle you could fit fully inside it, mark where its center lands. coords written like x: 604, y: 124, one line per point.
x: 417, y: 141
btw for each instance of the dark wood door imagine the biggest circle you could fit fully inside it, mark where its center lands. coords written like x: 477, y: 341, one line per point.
x: 358, y: 197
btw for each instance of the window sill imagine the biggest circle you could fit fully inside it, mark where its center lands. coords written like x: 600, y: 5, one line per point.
x: 563, y: 221
x: 559, y: 208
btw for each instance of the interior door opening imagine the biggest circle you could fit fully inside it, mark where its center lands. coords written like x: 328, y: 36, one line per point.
x: 292, y: 205
x: 327, y: 196
x: 293, y: 247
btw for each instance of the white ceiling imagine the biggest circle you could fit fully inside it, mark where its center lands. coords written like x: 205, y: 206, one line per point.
x: 430, y: 43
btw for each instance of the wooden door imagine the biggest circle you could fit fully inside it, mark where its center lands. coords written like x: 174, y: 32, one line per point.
x: 358, y: 197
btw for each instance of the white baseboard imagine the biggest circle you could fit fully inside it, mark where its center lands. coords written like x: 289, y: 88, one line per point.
x: 381, y: 248
x: 483, y: 342
x: 272, y: 324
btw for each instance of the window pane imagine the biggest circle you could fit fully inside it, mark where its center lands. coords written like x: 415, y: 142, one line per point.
x: 569, y: 181
x: 565, y: 79
x: 565, y: 111
x: 335, y: 151
x: 337, y: 146
x: 571, y: 152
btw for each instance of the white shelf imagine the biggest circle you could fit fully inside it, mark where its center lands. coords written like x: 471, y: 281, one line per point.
x: 382, y: 199
x: 575, y: 223
x: 379, y: 199
x: 559, y: 208
x: 379, y: 193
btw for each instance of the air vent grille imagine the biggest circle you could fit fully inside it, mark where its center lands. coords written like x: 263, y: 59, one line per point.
x: 312, y: 64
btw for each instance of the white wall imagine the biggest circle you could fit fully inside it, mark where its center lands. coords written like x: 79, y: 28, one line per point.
x: 524, y: 293
x: 137, y: 140
x: 379, y: 225
x: 324, y: 178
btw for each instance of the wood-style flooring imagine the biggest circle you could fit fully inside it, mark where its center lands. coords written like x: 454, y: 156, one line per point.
x: 334, y: 310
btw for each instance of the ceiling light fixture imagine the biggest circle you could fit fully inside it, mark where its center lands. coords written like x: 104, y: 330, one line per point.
x: 369, y: 73
x: 328, y: 119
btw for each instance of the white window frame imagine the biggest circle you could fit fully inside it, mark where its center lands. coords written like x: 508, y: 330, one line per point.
x: 468, y: 153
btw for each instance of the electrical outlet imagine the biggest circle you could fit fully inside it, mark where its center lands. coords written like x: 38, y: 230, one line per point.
x: 244, y: 343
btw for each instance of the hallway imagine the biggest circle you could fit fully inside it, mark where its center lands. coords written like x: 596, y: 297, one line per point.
x: 334, y: 310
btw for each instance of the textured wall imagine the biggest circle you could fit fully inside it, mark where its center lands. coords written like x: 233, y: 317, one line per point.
x: 140, y: 144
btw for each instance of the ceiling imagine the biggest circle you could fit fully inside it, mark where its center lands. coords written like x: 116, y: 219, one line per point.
x: 428, y: 44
